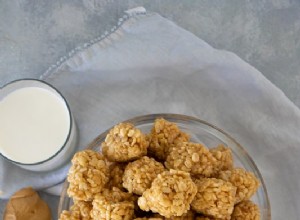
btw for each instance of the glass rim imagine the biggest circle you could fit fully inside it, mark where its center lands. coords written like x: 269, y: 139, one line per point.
x: 70, y: 119
x: 138, y: 120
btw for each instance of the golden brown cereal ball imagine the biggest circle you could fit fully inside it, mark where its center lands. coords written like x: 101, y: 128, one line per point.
x: 246, y: 210
x: 245, y: 181
x: 113, y: 204
x: 224, y: 158
x: 214, y: 198
x: 80, y: 210
x: 116, y: 171
x: 88, y: 175
x: 191, y: 157
x: 170, y: 194
x: 139, y: 174
x: 163, y: 136
x: 124, y: 143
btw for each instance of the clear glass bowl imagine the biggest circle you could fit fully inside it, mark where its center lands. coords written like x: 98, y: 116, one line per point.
x: 201, y: 132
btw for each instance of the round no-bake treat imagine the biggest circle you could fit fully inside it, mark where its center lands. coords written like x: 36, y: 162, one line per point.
x: 245, y: 181
x: 139, y: 174
x: 170, y: 194
x: 88, y: 175
x: 80, y: 210
x: 164, y: 135
x: 224, y: 158
x: 113, y: 204
x: 124, y: 143
x: 245, y: 210
x: 191, y: 157
x: 214, y: 198
x: 26, y: 204
x: 116, y: 171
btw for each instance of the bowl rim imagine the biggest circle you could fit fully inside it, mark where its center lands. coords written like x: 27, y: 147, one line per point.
x: 143, y: 118
x: 69, y: 113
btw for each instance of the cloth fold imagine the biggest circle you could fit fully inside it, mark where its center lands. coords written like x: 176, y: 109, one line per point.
x: 150, y: 65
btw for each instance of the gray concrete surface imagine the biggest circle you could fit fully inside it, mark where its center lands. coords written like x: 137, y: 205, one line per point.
x: 35, y: 34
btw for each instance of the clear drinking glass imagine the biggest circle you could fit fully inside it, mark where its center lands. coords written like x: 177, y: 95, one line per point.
x: 66, y: 150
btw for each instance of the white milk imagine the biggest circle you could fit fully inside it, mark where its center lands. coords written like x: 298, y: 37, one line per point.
x: 34, y: 125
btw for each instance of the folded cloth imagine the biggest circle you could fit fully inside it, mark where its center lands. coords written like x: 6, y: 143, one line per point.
x: 150, y: 65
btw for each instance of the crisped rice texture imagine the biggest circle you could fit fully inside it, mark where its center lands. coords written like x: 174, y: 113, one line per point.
x: 224, y: 158
x: 80, y: 210
x: 113, y: 204
x: 88, y: 175
x: 190, y: 215
x: 149, y: 218
x: 139, y: 174
x: 164, y: 135
x: 124, y: 143
x: 246, y: 210
x: 245, y: 181
x: 214, y: 198
x: 170, y: 194
x: 191, y: 157
x: 116, y: 171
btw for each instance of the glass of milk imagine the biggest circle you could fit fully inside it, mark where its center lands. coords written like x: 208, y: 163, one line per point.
x: 37, y: 129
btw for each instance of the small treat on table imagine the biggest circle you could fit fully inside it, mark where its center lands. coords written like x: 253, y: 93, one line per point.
x: 124, y: 143
x: 246, y: 210
x: 171, y: 194
x: 224, y: 158
x: 191, y: 157
x: 245, y: 181
x: 26, y: 204
x: 215, y: 198
x: 116, y: 171
x: 139, y: 174
x: 80, y: 210
x: 113, y: 204
x: 164, y: 135
x: 88, y: 175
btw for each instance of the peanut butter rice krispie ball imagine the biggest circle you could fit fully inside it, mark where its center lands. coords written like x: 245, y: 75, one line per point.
x: 214, y: 198
x: 116, y: 171
x: 246, y: 210
x: 139, y: 174
x: 170, y: 194
x: 88, y: 175
x: 163, y: 136
x: 79, y: 211
x: 124, y: 143
x: 113, y: 204
x: 245, y: 181
x: 224, y: 158
x: 191, y: 157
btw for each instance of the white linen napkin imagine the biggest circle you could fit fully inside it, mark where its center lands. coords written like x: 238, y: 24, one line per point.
x: 150, y: 65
